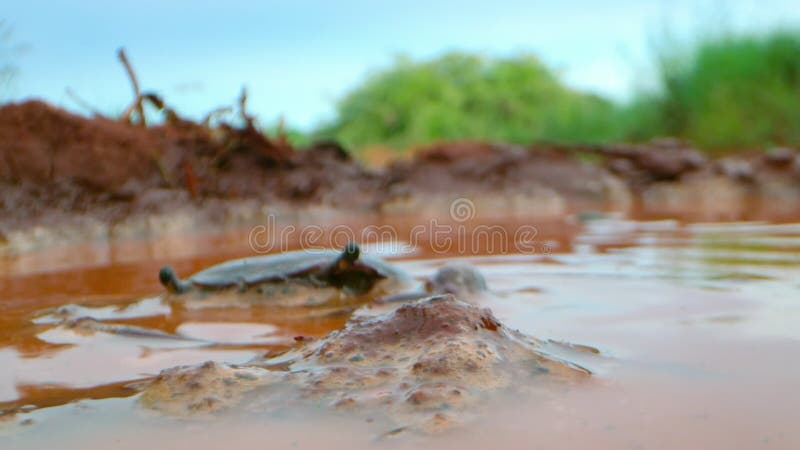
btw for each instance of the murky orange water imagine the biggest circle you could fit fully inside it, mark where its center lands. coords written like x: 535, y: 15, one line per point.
x: 698, y: 327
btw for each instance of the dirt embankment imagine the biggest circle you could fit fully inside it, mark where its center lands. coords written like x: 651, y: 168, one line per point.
x: 66, y: 178
x: 664, y: 178
x: 51, y: 159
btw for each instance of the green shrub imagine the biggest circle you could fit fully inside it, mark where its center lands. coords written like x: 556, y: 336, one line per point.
x: 725, y: 92
x: 460, y: 96
x: 729, y: 92
x: 7, y: 54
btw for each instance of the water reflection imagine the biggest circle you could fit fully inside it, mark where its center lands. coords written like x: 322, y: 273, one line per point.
x: 662, y: 299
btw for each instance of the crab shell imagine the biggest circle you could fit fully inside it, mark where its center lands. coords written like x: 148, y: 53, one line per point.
x: 315, y: 275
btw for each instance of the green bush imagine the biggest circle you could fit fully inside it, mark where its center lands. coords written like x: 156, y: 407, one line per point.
x: 7, y: 54
x: 724, y: 92
x: 460, y: 96
x: 728, y: 92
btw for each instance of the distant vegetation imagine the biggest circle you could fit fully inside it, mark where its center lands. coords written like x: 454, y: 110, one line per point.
x: 729, y: 92
x: 725, y: 92
x: 7, y: 54
x: 460, y: 96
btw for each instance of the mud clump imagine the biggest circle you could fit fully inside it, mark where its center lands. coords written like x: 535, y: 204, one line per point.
x: 202, y: 389
x: 426, y: 366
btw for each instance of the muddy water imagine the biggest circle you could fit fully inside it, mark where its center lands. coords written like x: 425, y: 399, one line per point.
x: 698, y: 327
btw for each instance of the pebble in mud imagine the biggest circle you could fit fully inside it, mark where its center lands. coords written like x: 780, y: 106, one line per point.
x: 425, y: 366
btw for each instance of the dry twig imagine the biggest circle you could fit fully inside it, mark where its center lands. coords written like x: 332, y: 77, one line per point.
x: 137, y: 104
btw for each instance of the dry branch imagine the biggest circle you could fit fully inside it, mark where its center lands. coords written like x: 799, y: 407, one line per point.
x: 247, y: 118
x: 137, y: 103
x: 214, y: 114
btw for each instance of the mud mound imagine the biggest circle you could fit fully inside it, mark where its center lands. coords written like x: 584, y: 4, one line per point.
x: 42, y: 144
x: 51, y: 159
x: 66, y: 179
x: 537, y: 176
x: 427, y: 366
x: 495, y: 167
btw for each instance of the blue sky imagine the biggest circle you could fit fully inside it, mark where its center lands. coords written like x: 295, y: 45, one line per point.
x: 297, y: 58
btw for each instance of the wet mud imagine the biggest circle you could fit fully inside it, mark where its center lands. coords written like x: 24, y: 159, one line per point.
x: 425, y: 365
x: 694, y: 326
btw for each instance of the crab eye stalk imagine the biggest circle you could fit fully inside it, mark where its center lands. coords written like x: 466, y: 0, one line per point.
x: 169, y: 279
x: 351, y: 252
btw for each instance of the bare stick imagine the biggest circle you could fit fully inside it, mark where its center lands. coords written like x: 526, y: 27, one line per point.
x: 137, y: 105
x: 248, y: 120
x: 283, y: 137
x: 214, y: 114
